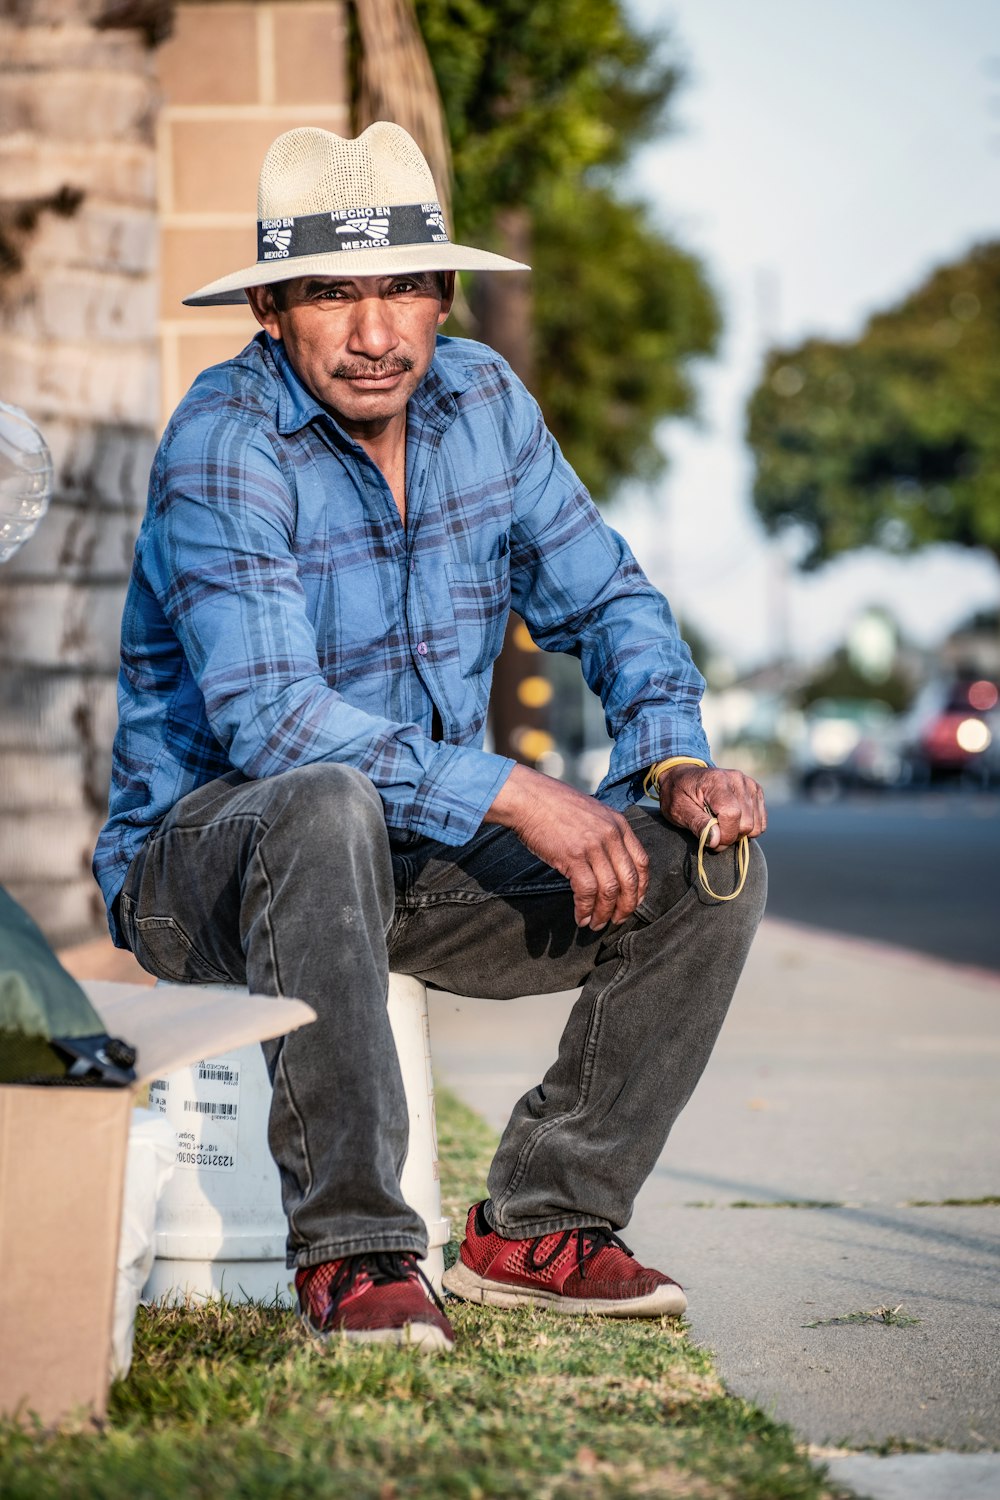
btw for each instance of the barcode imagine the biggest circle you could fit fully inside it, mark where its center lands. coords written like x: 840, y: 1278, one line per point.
x: 208, y: 1107
x: 217, y: 1073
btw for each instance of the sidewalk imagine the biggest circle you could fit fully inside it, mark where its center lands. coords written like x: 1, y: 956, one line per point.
x: 849, y: 1075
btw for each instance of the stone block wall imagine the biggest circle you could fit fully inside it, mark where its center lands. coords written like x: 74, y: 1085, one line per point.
x: 234, y: 76
x: 79, y: 351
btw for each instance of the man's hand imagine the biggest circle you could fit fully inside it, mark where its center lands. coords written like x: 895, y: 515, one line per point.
x: 593, y: 846
x: 690, y: 795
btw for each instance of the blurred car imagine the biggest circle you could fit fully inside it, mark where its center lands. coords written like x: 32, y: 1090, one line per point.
x: 844, y: 744
x: 953, y: 731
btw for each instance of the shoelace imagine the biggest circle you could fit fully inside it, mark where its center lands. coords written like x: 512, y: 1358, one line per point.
x: 589, y: 1243
x: 383, y: 1267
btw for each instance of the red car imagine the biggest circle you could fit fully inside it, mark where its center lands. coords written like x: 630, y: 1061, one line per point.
x: 960, y: 732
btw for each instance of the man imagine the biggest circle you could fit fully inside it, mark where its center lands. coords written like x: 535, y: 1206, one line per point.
x: 339, y: 519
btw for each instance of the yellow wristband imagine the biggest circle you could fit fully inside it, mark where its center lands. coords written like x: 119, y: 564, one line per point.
x: 651, y: 785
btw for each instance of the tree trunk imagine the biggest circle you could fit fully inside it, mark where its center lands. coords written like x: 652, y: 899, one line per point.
x: 78, y: 351
x: 502, y: 304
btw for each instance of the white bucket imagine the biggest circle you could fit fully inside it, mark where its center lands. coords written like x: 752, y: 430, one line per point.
x: 220, y: 1228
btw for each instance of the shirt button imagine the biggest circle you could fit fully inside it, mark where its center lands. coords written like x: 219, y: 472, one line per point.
x: 421, y: 648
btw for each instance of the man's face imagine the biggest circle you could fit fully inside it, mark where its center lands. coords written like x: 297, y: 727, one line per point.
x: 360, y: 344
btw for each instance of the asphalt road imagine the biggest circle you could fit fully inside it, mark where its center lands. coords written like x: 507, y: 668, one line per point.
x: 918, y: 870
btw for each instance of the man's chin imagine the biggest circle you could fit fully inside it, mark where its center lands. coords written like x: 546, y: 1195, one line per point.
x: 379, y: 404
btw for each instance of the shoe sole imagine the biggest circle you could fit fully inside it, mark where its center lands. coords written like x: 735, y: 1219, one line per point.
x: 666, y: 1301
x: 425, y: 1338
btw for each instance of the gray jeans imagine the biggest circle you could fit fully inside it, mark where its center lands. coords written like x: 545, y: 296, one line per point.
x: 293, y: 886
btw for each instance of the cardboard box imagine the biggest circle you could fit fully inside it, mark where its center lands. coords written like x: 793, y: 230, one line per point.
x: 62, y: 1171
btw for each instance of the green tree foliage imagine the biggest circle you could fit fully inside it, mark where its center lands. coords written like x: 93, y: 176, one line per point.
x: 891, y: 440
x: 546, y: 100
x: 840, y: 679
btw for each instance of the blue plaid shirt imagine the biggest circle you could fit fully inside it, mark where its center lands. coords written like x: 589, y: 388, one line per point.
x: 279, y: 613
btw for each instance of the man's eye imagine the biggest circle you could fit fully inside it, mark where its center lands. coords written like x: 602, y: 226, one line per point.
x: 404, y: 286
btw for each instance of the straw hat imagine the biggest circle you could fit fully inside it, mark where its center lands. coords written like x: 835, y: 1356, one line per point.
x: 330, y: 206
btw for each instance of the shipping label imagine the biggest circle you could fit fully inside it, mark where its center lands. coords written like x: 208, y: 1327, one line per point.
x: 202, y: 1103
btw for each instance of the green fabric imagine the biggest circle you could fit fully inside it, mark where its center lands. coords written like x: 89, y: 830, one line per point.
x: 38, y: 999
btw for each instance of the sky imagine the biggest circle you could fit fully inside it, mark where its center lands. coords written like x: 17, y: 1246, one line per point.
x: 826, y: 157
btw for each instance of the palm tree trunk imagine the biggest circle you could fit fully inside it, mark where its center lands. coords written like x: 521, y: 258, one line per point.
x: 519, y: 706
x: 396, y: 82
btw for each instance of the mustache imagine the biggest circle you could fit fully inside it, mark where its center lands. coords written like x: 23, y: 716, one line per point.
x: 394, y: 364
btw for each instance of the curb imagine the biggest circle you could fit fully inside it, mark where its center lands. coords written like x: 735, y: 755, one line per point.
x: 888, y: 952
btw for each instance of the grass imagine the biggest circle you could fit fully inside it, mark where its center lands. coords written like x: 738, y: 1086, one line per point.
x: 236, y: 1401
x: 990, y: 1201
x: 785, y: 1203
x: 893, y: 1317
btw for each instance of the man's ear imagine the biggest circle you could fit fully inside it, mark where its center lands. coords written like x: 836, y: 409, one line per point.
x: 447, y: 295
x: 262, y: 304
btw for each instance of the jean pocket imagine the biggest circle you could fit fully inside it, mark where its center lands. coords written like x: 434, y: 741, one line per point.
x: 480, y: 596
x: 165, y: 950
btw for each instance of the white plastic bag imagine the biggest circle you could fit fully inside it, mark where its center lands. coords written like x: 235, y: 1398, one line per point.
x: 152, y: 1150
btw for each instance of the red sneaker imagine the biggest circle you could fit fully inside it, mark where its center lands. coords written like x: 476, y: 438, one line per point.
x: 374, y: 1298
x: 570, y: 1271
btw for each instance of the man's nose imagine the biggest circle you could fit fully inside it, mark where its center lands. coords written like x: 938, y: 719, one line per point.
x: 372, y: 331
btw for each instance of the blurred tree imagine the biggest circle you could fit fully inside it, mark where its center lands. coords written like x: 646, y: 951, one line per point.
x: 546, y: 101
x: 891, y: 440
x: 839, y: 678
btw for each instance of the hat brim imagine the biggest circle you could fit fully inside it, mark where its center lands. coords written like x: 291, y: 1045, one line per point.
x: 231, y: 290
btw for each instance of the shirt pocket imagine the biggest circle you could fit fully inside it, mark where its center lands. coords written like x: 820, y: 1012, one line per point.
x: 480, y: 598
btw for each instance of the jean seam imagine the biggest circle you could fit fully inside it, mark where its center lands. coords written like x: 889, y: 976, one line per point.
x: 303, y: 1149
x: 293, y: 1106
x: 546, y: 1127
x: 182, y: 828
x: 478, y: 898
x: 259, y: 853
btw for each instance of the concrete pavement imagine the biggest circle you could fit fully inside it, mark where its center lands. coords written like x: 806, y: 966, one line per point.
x: 849, y: 1075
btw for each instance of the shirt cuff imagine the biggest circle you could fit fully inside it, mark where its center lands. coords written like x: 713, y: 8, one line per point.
x: 457, y: 793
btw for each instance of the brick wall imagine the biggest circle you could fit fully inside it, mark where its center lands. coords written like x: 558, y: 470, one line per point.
x: 233, y: 76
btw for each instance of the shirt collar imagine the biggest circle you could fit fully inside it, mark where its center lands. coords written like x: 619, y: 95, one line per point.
x: 432, y: 405
x: 297, y: 407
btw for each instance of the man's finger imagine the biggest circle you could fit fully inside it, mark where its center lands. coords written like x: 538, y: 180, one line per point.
x: 640, y: 861
x: 609, y: 889
x: 584, y: 887
x: 631, y: 864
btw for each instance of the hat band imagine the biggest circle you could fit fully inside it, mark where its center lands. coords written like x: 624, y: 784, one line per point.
x: 379, y: 228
